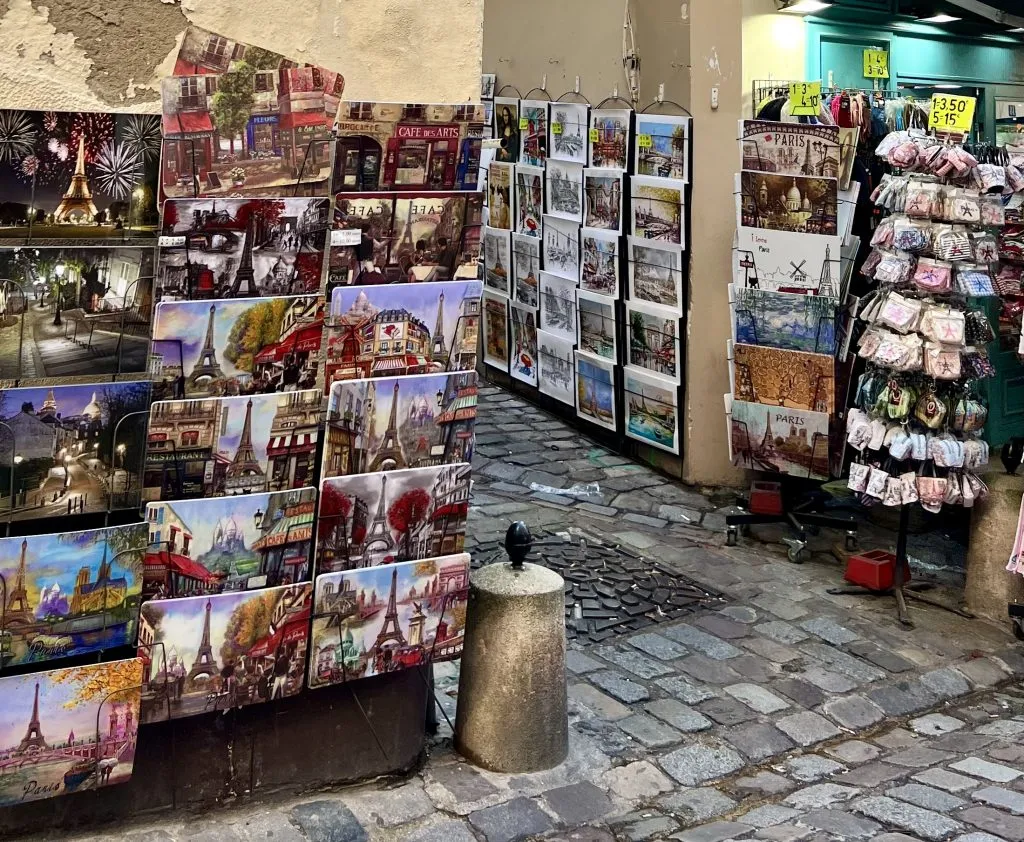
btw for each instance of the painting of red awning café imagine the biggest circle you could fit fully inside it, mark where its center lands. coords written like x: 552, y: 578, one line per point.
x: 399, y: 146
x: 214, y: 653
x: 383, y: 619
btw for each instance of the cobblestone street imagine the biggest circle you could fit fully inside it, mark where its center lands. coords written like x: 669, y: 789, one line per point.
x: 775, y: 712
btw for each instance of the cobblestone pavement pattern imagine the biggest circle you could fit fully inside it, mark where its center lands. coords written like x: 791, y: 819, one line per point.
x: 786, y: 714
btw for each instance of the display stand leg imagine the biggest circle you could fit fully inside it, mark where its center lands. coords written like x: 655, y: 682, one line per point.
x: 432, y: 722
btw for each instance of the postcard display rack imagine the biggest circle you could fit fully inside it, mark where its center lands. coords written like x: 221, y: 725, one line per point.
x: 585, y: 277
x: 251, y: 423
x: 788, y: 308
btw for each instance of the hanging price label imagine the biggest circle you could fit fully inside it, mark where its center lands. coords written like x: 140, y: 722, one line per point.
x: 952, y: 113
x: 876, y: 64
x: 595, y: 135
x: 805, y: 99
x: 644, y: 141
x: 346, y: 237
x: 524, y: 124
x: 556, y: 128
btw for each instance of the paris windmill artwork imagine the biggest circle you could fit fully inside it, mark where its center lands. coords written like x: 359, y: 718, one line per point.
x: 214, y: 653
x: 68, y: 730
x: 236, y: 543
x: 78, y: 175
x: 384, y: 619
x: 70, y: 593
x: 241, y: 248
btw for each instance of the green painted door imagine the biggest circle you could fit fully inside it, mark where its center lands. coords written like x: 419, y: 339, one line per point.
x: 1005, y: 391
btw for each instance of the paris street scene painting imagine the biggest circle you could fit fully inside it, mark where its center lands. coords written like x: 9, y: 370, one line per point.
x: 663, y: 146
x: 236, y: 346
x: 653, y: 334
x: 657, y: 209
x: 655, y: 273
x: 790, y: 148
x: 561, y: 247
x: 652, y: 410
x: 222, y: 651
x: 372, y: 519
x: 241, y: 248
x: 564, y: 183
x: 393, y: 423
x: 529, y: 199
x: 384, y: 619
x: 78, y: 175
x: 555, y: 366
x: 609, y: 137
x: 68, y: 730
x: 236, y: 543
x: 599, y: 271
x: 595, y: 322
x: 789, y: 203
x: 495, y: 342
x: 783, y: 440
x: 497, y: 261
x: 595, y: 390
x: 70, y: 593
x: 569, y: 127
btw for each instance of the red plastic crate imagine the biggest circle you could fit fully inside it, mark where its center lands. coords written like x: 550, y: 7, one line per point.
x: 765, y: 498
x: 874, y: 570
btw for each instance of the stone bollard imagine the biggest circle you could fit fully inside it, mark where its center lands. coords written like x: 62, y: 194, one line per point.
x: 511, y: 715
x: 990, y: 587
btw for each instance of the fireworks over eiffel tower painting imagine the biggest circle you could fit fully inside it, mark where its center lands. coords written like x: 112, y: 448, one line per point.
x: 383, y: 619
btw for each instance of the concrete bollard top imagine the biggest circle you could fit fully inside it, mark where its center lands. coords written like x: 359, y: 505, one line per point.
x: 502, y: 579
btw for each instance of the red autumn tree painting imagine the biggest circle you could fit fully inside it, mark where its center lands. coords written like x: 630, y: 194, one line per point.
x: 407, y: 513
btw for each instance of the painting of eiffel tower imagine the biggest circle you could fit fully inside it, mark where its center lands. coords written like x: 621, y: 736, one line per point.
x: 18, y: 611
x: 33, y: 739
x: 77, y: 204
x: 207, y: 369
x: 245, y: 474
x: 204, y: 665
x: 389, y: 454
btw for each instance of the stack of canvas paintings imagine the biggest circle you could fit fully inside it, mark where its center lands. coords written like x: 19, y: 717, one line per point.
x: 236, y: 543
x: 68, y: 730
x: 71, y: 593
x: 221, y: 651
x: 780, y: 439
x: 383, y: 619
x: 784, y: 320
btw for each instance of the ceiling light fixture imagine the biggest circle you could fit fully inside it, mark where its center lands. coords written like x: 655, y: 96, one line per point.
x: 939, y: 18
x: 1017, y: 29
x: 802, y: 7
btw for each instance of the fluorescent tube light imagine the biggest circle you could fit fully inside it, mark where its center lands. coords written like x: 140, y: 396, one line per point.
x: 805, y: 7
x: 939, y: 18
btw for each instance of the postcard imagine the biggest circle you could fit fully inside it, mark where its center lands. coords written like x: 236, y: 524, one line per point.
x: 500, y: 195
x: 602, y: 199
x: 790, y: 379
x: 651, y: 406
x: 68, y: 730
x: 71, y: 312
x: 238, y: 543
x: 525, y: 266
x: 487, y: 81
x: 533, y: 132
x: 654, y: 339
x: 788, y: 203
x: 780, y: 440
x: 529, y: 199
x: 595, y: 390
x: 496, y: 331
x: 216, y: 447
x: 663, y: 146
x: 658, y: 206
x: 390, y: 238
x: 236, y: 346
x: 655, y: 273
x: 562, y: 247
x: 555, y: 367
x: 241, y: 248
x: 599, y: 271
x: 564, y: 182
x: 785, y: 320
x: 523, y: 346
x: 609, y: 138
x: 407, y: 146
x: 80, y: 447
x: 369, y: 520
x: 383, y: 619
x: 569, y: 129
x: 222, y: 651
x: 401, y: 422
x: 558, y: 306
x: 506, y: 129
x: 784, y: 261
x: 848, y: 139
x: 497, y: 261
x: 595, y: 320
x: 383, y: 331
x: 790, y: 148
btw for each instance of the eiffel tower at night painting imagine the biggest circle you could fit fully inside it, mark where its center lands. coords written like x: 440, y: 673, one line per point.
x: 383, y: 619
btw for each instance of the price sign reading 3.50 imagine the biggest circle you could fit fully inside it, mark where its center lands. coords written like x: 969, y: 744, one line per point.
x: 954, y: 114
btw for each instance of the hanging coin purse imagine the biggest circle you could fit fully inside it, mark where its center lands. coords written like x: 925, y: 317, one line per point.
x: 908, y: 487
x: 978, y: 487
x: 953, y: 245
x: 900, y: 353
x: 966, y: 207
x: 900, y: 444
x: 974, y: 279
x: 993, y: 213
x: 954, y: 495
x: 933, y: 275
x: 931, y: 410
x: 910, y: 235
x: 900, y: 313
x: 893, y: 269
x: 975, y: 453
x: 871, y: 263
x: 893, y: 492
x: 858, y: 480
x: 883, y: 235
x: 941, y: 362
x: 918, y: 446
x: 896, y: 401
x: 946, y: 451
x: 877, y: 481
x: 930, y: 488
x: 977, y: 328
x: 969, y: 415
x: 986, y: 247
x: 868, y: 344
x: 979, y: 366
x: 944, y: 325
x: 920, y: 200
x: 869, y: 387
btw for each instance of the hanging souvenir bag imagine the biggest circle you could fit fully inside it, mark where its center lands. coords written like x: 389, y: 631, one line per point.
x: 877, y: 481
x: 977, y: 328
x: 953, y: 244
x: 908, y: 488
x: 900, y: 444
x: 893, y: 495
x: 954, y: 495
x: 944, y: 325
x: 993, y: 213
x: 978, y: 488
x: 969, y: 415
x: 858, y: 480
x: 900, y: 313
x: 911, y: 235
x: 921, y: 199
x: 869, y: 387
x: 933, y: 275
x: 967, y: 208
x: 931, y: 410
x: 941, y: 362
x: 930, y: 488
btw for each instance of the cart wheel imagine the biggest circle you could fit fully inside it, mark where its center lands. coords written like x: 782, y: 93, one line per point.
x: 731, y: 534
x: 797, y: 554
x: 851, y: 541
x: 745, y: 530
x: 1018, y: 629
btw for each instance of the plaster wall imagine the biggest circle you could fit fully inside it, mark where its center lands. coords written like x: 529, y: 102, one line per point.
x: 774, y: 46
x: 82, y: 54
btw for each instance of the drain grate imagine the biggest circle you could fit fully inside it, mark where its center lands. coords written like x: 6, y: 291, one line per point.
x: 610, y: 590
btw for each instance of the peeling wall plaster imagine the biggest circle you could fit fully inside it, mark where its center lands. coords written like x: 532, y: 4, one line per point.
x: 80, y: 54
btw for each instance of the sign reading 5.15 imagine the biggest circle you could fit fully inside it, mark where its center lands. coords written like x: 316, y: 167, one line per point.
x: 805, y: 99
x: 952, y: 113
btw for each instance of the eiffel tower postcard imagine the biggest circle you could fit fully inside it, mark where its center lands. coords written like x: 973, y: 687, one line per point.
x: 381, y: 331
x: 70, y: 593
x: 236, y: 346
x: 372, y: 519
x: 389, y: 238
x: 241, y: 248
x: 68, y: 730
x: 780, y: 439
x: 392, y: 423
x: 383, y: 619
x: 78, y: 176
x: 237, y: 543
x: 221, y: 651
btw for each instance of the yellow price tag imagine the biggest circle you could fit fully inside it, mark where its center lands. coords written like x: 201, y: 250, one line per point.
x: 556, y: 128
x: 805, y: 99
x: 595, y: 135
x: 953, y: 114
x: 644, y: 141
x: 524, y: 124
x: 876, y: 64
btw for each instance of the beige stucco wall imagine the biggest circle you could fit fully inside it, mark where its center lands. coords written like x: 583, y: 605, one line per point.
x: 97, y: 54
x: 774, y: 46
